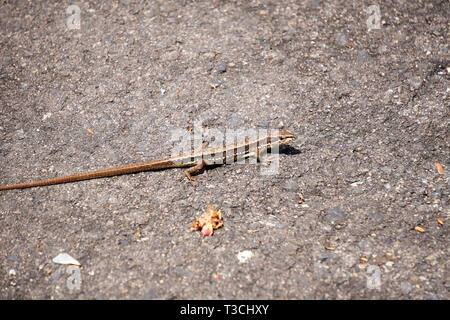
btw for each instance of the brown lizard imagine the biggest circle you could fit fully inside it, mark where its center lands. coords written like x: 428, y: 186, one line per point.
x: 196, y: 161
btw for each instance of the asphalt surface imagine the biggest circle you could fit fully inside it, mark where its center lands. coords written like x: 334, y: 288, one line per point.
x: 359, y: 207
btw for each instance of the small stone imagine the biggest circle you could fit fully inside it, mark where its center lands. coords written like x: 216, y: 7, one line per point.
x: 222, y: 67
x: 362, y: 266
x: 382, y: 49
x: 209, y: 55
x: 288, y: 186
x: 47, y: 115
x: 438, y: 192
x: 405, y: 287
x: 432, y: 259
x: 363, y: 56
x: 415, y: 82
x: 109, y: 223
x: 244, y: 256
x: 341, y: 39
x: 213, y: 84
x: 288, y: 36
x: 335, y: 215
x: 20, y: 134
x: 386, y: 169
x: 315, y: 4
x: 64, y: 258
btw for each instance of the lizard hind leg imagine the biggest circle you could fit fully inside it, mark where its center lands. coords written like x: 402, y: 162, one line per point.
x: 194, y: 170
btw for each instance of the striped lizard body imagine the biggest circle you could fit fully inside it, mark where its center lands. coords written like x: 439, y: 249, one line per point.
x: 195, y: 161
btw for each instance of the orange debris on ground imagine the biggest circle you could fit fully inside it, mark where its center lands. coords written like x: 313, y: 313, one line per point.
x: 211, y: 220
x: 420, y: 229
x: 439, y: 168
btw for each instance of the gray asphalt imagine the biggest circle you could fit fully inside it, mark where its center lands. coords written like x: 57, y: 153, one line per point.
x: 366, y: 94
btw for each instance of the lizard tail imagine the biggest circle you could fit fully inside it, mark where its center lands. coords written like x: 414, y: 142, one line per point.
x: 153, y: 165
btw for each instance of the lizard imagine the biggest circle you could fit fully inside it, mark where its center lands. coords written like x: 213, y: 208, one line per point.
x: 195, y: 162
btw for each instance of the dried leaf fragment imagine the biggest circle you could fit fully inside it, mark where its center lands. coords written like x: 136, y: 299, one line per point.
x: 439, y: 168
x: 420, y: 229
x: 211, y: 220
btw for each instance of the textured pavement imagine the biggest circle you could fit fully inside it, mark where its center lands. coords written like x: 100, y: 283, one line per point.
x: 358, y: 210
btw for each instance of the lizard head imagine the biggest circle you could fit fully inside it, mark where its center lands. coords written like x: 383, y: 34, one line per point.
x: 286, y: 137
